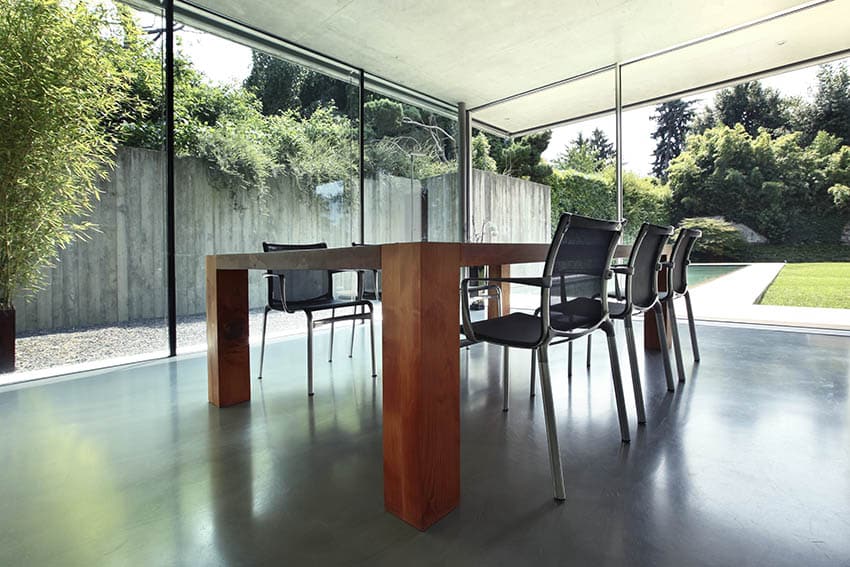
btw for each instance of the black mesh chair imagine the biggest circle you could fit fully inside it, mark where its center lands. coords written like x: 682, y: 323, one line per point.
x: 639, y: 295
x: 481, y: 294
x: 572, y: 291
x: 368, y: 288
x: 309, y: 291
x: 677, y: 286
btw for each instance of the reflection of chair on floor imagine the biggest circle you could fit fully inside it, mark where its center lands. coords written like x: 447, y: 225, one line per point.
x: 677, y: 286
x: 309, y: 291
x: 490, y: 292
x: 581, y: 249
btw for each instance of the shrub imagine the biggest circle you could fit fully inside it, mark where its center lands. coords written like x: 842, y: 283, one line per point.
x: 59, y: 83
x: 720, y: 240
x: 587, y: 194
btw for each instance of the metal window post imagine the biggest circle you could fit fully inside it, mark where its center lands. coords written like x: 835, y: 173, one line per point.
x: 361, y: 156
x: 618, y: 110
x: 464, y: 168
x: 171, y: 273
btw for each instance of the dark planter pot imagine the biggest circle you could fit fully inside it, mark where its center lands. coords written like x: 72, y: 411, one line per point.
x: 7, y: 340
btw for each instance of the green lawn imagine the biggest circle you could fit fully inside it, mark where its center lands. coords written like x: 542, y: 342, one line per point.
x: 811, y: 285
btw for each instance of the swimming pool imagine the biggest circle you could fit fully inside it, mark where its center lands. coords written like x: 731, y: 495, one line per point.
x: 701, y: 273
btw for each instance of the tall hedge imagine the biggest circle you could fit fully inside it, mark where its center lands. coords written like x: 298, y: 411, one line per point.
x: 594, y: 194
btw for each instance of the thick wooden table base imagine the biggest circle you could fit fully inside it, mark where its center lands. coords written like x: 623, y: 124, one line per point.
x: 421, y: 380
x: 228, y: 354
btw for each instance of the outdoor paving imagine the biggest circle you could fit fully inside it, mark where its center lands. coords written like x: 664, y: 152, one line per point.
x: 733, y: 297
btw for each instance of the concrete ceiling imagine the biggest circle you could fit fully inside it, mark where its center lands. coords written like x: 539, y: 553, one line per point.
x: 481, y: 51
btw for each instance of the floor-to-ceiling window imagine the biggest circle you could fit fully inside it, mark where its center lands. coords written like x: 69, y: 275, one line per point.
x: 410, y: 182
x: 101, y: 295
x: 267, y: 150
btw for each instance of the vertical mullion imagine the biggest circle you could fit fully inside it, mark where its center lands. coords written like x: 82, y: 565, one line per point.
x: 618, y: 94
x: 169, y: 179
x: 361, y: 156
x: 464, y: 168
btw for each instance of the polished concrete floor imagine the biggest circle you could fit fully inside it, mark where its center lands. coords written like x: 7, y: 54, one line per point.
x: 746, y: 464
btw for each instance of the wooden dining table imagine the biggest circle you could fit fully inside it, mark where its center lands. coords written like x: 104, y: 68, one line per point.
x: 421, y: 360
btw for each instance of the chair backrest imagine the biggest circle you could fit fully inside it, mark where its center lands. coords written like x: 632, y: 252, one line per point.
x: 300, y: 286
x: 642, y: 284
x: 681, y: 257
x: 579, y: 259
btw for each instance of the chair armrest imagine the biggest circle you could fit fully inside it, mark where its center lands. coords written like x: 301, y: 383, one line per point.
x: 466, y: 320
x: 279, y: 287
x: 626, y: 270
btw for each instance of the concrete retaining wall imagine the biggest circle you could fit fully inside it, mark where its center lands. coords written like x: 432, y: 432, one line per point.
x: 118, y: 275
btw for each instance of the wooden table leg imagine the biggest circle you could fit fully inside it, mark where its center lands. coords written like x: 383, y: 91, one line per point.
x: 650, y: 332
x: 421, y: 380
x: 228, y: 355
x: 500, y: 271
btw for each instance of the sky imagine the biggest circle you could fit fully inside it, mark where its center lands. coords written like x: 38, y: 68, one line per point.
x: 226, y: 62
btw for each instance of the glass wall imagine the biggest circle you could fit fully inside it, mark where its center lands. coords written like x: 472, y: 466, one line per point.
x: 101, y: 298
x: 761, y: 167
x: 267, y: 151
x: 411, y: 188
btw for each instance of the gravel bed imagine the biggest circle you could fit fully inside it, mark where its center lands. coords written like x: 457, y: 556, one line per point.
x: 37, y: 351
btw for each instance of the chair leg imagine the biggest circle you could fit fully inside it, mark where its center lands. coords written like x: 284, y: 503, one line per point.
x: 533, y: 370
x: 665, y: 349
x: 693, y: 327
x: 353, y: 327
x: 372, y: 340
x: 263, y: 342
x: 618, y: 381
x: 588, y: 350
x: 309, y: 354
x: 506, y: 378
x: 677, y: 345
x: 331, y: 348
x: 551, y: 424
x: 636, y: 385
x: 570, y: 359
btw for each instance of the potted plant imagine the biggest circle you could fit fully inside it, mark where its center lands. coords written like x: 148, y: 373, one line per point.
x: 61, y: 82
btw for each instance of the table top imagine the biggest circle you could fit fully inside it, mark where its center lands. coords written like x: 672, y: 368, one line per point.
x: 369, y: 256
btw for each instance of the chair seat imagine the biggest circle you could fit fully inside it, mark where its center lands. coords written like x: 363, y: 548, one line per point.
x: 516, y: 330
x: 321, y: 305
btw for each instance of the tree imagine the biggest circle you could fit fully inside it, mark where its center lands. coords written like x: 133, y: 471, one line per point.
x: 481, y: 153
x: 830, y: 110
x: 753, y: 106
x: 281, y: 86
x: 522, y: 157
x: 601, y: 147
x: 578, y: 156
x: 779, y: 187
x: 673, y: 121
x: 60, y: 84
x: 587, y: 154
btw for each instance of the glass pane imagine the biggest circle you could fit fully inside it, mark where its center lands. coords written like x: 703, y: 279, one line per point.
x: 267, y: 151
x: 411, y: 188
x: 103, y: 297
x: 760, y: 167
